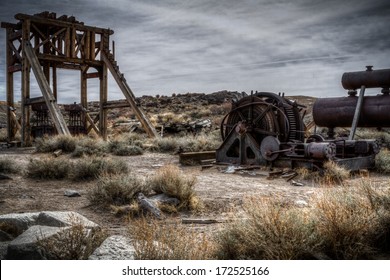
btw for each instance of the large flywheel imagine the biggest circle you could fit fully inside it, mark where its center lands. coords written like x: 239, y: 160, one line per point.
x: 252, y: 119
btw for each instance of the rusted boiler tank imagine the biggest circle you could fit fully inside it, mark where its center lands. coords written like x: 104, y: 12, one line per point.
x: 374, y: 111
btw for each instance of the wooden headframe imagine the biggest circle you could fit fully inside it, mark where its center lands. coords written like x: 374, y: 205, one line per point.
x: 44, y: 43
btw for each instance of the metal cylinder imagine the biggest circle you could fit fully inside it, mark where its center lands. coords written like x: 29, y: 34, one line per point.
x: 369, y: 78
x: 339, y: 112
x: 320, y: 150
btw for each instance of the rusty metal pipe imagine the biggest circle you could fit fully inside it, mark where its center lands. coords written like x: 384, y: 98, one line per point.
x: 339, y: 112
x: 369, y: 78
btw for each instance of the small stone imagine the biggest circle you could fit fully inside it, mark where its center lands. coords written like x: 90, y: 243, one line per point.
x: 301, y: 203
x: 71, y: 193
x: 57, y: 153
x: 297, y: 184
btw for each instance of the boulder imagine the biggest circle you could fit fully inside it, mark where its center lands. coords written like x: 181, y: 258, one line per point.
x: 3, y: 249
x: 20, y: 221
x: 4, y: 236
x: 115, y: 247
x: 24, y: 247
x: 63, y: 219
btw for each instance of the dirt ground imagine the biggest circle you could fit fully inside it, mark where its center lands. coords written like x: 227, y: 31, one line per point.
x: 221, y: 193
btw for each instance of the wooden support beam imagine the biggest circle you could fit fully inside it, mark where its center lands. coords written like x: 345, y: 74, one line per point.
x: 54, y: 110
x: 92, y: 75
x: 91, y: 122
x: 103, y: 99
x: 67, y: 42
x: 92, y: 46
x: 73, y: 43
x: 83, y: 88
x: 15, y: 68
x: 55, y: 58
x: 34, y: 100
x: 25, y: 133
x: 55, y: 92
x: 10, y: 87
x: 60, y: 23
x: 95, y: 121
x: 142, y: 117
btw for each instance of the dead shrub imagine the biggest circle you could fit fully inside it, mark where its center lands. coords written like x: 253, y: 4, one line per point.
x: 47, y: 144
x: 331, y: 174
x: 382, y: 161
x: 345, y: 222
x: 87, y: 146
x: 8, y: 166
x: 73, y: 243
x: 164, y: 145
x: 128, y: 151
x: 269, y: 231
x: 48, y: 168
x: 334, y: 173
x: 93, y: 167
x: 170, y: 180
x: 156, y: 240
x: 117, y: 190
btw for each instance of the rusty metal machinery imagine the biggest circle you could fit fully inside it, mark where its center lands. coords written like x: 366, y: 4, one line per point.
x: 268, y: 129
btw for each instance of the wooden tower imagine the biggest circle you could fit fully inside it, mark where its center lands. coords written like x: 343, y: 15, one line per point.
x: 44, y: 43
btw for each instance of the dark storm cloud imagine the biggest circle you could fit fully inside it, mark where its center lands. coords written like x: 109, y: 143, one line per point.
x: 298, y: 47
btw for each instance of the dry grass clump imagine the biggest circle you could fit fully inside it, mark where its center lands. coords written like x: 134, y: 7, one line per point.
x: 164, y: 145
x: 86, y: 146
x: 200, y: 142
x: 331, y: 174
x: 8, y: 166
x: 342, y: 223
x: 334, y: 173
x: 117, y: 190
x: 125, y: 150
x: 155, y: 240
x: 170, y: 180
x: 50, y: 144
x: 382, y: 161
x: 3, y: 135
x: 93, y: 167
x: 270, y: 231
x: 73, y: 243
x: 48, y: 168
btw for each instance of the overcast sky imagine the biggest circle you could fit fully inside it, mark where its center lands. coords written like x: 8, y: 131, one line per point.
x: 299, y: 47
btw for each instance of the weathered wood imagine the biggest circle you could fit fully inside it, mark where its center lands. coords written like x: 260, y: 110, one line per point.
x: 92, y: 46
x: 25, y: 132
x: 200, y: 221
x: 54, y: 110
x: 59, y: 23
x: 103, y: 99
x: 10, y: 87
x: 196, y: 157
x: 34, y: 100
x: 78, y: 61
x: 92, y: 75
x: 146, y: 124
x: 14, y: 68
x: 91, y: 122
x: 73, y: 43
x: 90, y: 127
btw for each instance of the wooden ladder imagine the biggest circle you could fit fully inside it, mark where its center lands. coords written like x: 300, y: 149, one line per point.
x: 54, y: 110
x: 112, y: 65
